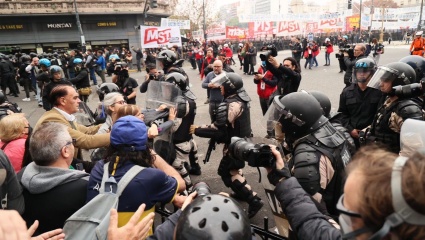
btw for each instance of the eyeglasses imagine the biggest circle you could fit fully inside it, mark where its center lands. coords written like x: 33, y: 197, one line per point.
x: 340, y: 207
x: 122, y: 102
x: 288, y: 66
x: 73, y: 142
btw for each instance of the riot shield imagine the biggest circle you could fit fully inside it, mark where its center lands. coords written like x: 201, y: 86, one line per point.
x: 84, y: 115
x: 411, y: 137
x: 163, y: 93
x: 160, y: 92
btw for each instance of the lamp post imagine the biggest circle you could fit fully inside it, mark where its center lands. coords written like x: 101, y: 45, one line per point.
x: 204, y: 25
x: 80, y: 29
x: 420, y: 15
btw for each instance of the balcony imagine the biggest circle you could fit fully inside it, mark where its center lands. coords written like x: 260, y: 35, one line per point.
x: 20, y: 8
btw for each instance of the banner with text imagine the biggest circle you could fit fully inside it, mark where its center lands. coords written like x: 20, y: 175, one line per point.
x: 182, y: 24
x: 235, y: 33
x: 260, y: 29
x: 288, y: 28
x: 156, y: 37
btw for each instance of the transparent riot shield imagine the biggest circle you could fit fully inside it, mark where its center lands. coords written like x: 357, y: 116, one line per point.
x: 84, y: 115
x: 163, y: 93
x: 412, y: 137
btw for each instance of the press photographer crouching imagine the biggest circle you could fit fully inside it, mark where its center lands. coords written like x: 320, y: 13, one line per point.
x: 288, y: 73
x: 349, y: 61
x: 383, y: 198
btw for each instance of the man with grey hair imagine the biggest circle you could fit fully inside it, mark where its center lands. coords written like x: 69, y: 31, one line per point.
x: 49, y: 185
x: 359, y: 51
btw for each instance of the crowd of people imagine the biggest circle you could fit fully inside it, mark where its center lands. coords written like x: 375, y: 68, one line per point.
x: 331, y: 179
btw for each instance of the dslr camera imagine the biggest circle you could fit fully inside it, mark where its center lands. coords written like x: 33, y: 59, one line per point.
x: 271, y: 51
x: 410, y: 90
x: 152, y: 76
x: 119, y: 66
x: 257, y: 155
x: 202, y: 188
x: 346, y: 49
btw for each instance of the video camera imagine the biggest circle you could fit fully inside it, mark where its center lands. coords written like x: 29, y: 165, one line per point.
x: 119, y: 66
x: 201, y: 188
x: 257, y: 155
x: 271, y: 51
x: 410, y: 90
x: 345, y: 49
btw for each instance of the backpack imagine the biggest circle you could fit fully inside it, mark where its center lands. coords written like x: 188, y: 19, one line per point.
x: 91, y: 222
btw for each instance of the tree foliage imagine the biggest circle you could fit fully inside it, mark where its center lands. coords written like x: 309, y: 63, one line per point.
x: 193, y: 11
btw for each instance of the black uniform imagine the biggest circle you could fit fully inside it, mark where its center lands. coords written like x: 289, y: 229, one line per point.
x: 80, y: 81
x: 358, y: 107
x: 307, y: 151
x: 349, y: 63
x: 288, y: 79
x: 383, y: 129
x: 7, y: 76
x: 297, y: 51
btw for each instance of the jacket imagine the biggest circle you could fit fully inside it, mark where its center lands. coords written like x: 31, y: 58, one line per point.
x: 51, y: 195
x: 84, y: 135
x: 417, y: 47
x: 302, y: 213
x: 267, y: 85
x: 15, y: 150
x: 9, y: 185
x: 81, y: 80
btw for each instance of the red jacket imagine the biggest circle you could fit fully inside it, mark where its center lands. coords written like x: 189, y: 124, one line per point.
x: 228, y: 52
x: 268, y: 89
x: 329, y: 48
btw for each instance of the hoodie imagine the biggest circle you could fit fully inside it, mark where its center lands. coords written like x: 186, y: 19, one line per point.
x: 39, y: 179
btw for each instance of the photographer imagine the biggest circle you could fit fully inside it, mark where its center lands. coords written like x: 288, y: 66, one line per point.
x: 126, y: 84
x: 288, y: 74
x: 340, y: 56
x: 359, y: 51
x: 151, y: 74
x: 381, y: 199
x: 377, y: 49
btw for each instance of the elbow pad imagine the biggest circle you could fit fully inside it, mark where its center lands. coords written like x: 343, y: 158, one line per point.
x: 221, y: 115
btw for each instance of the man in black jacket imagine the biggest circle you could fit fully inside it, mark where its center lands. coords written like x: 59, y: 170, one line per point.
x: 359, y: 51
x: 139, y: 57
x: 297, y: 49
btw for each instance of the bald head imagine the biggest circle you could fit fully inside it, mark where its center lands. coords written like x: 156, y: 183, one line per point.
x: 218, y: 67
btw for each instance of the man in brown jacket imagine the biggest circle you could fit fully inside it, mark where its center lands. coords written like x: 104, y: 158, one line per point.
x: 65, y: 102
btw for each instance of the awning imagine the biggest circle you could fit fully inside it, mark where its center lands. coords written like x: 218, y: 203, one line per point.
x: 27, y: 46
x: 60, y: 45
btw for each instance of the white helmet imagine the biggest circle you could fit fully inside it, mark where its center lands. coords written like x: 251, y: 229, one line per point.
x: 419, y: 33
x: 327, y: 40
x: 240, y: 45
x: 226, y: 45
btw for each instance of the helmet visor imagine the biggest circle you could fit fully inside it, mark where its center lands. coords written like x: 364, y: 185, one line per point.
x: 383, y: 74
x: 277, y: 111
x: 159, y: 65
x: 219, y: 79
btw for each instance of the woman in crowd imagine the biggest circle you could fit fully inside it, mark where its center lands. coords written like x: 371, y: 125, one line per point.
x: 157, y: 183
x: 384, y: 198
x: 111, y: 103
x: 246, y: 58
x: 14, y: 131
x: 329, y: 50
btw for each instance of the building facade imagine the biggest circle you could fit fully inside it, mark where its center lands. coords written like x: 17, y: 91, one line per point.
x: 49, y: 26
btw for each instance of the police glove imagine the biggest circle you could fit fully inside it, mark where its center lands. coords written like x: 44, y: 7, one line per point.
x: 125, y: 98
x: 280, y: 171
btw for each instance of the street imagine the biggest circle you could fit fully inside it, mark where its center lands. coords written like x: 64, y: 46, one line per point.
x: 322, y: 78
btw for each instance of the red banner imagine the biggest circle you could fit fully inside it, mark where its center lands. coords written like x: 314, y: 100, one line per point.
x: 289, y: 27
x: 260, y: 28
x: 312, y: 27
x: 235, y: 33
x: 352, y: 22
x: 330, y: 23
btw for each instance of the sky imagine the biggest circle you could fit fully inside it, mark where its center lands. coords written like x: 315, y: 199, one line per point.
x: 221, y: 2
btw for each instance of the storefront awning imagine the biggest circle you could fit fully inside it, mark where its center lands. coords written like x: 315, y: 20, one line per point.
x: 27, y: 46
x: 60, y: 45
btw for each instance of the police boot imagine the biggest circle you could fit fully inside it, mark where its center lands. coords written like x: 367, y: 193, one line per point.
x: 254, y: 206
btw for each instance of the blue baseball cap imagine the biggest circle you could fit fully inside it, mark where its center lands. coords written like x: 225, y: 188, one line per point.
x: 129, y: 133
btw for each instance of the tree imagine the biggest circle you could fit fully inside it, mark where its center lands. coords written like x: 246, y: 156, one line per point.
x: 193, y: 11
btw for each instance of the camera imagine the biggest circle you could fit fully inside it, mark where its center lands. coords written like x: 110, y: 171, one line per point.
x: 257, y: 155
x: 271, y: 51
x: 201, y: 188
x: 119, y: 66
x: 345, y: 49
x: 152, y: 76
x: 411, y: 90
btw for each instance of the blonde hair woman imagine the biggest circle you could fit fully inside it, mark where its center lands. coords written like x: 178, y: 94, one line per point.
x: 14, y: 130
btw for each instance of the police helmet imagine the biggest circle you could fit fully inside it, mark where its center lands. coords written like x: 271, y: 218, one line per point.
x: 181, y: 82
x: 33, y: 55
x: 364, y: 70
x: 167, y: 58
x: 78, y: 60
x: 232, y: 83
x: 26, y: 59
x: 106, y: 88
x: 44, y: 62
x: 3, y: 98
x: 299, y: 114
x: 398, y: 73
x: 324, y: 101
x: 54, y: 69
x: 417, y: 63
x: 213, y: 217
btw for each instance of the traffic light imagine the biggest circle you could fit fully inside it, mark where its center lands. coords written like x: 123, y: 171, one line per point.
x: 349, y: 4
x: 154, y: 3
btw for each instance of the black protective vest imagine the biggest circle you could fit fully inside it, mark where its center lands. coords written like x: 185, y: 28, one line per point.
x: 182, y: 133
x: 381, y: 132
x: 242, y: 125
x: 323, y: 141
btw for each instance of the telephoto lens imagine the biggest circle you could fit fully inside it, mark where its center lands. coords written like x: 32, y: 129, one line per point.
x: 202, y: 189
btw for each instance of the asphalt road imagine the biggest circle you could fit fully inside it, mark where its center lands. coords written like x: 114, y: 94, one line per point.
x: 322, y: 78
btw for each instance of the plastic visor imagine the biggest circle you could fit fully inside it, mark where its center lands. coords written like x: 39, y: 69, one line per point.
x: 159, y: 65
x: 275, y: 112
x: 219, y: 79
x: 382, y: 74
x: 412, y: 137
x: 160, y: 92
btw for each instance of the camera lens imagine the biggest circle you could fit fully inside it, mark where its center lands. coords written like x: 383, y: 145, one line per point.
x: 239, y: 148
x: 201, y: 188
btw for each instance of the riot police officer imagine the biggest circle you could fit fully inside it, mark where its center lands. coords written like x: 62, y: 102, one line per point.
x: 315, y: 146
x: 358, y: 103
x: 7, y: 76
x: 57, y: 78
x: 394, y: 111
x: 232, y: 120
x: 418, y: 64
x: 184, y: 144
x: 167, y: 61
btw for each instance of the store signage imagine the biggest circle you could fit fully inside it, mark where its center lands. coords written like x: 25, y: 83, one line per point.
x: 59, y: 25
x: 107, y: 24
x: 11, y: 26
